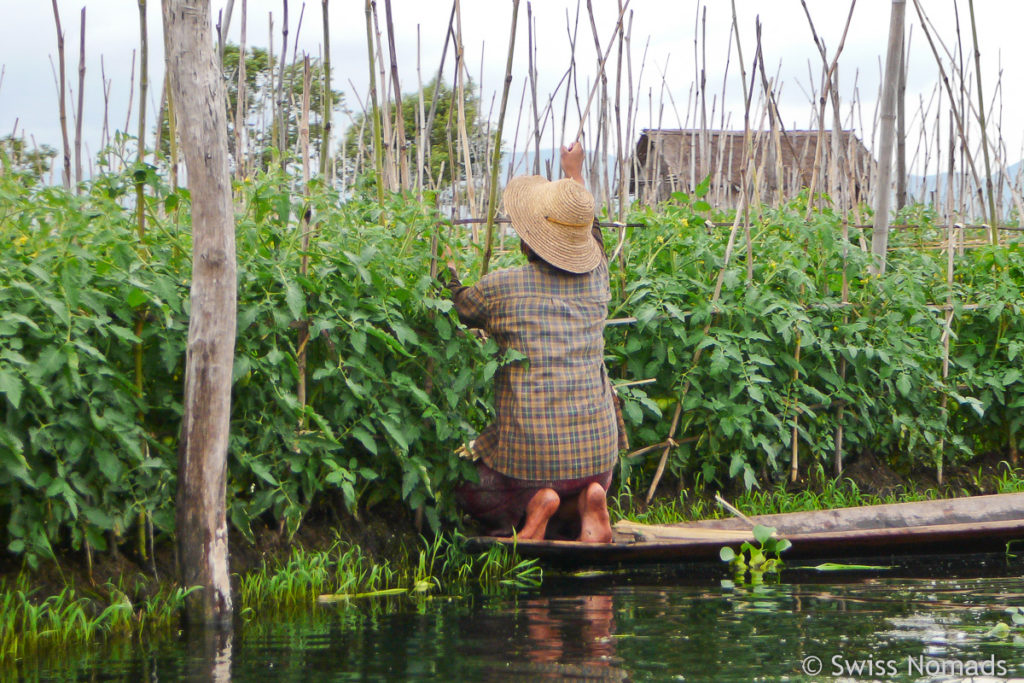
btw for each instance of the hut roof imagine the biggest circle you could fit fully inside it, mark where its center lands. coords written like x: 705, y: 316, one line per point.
x: 682, y: 153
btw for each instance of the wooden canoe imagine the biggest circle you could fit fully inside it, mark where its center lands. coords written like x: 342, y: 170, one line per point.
x: 955, y: 525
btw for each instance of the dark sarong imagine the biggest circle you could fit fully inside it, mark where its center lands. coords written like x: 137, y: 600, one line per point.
x: 499, y: 502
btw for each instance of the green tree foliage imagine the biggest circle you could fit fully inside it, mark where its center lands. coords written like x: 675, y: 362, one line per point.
x: 260, y: 96
x: 442, y: 140
x: 29, y: 165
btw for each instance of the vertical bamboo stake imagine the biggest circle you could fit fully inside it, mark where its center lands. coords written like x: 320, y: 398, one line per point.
x: 532, y: 73
x: 222, y: 31
x: 378, y: 161
x: 901, y: 128
x: 105, y: 132
x: 303, y: 339
x: 880, y: 233
x: 399, y: 112
x: 240, y: 105
x: 328, y: 98
x: 670, y: 440
x: 492, y: 203
x: 794, y: 462
x: 993, y: 217
x: 460, y: 70
x: 172, y: 138
x: 279, y: 100
x: 421, y: 117
x: 388, y: 150
x: 140, y: 186
x: 66, y: 176
x: 81, y: 95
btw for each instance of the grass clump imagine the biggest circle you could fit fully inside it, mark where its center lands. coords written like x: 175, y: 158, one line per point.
x: 31, y: 624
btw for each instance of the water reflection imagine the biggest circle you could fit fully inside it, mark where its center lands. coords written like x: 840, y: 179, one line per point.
x: 209, y: 651
x: 568, y: 638
x: 654, y: 628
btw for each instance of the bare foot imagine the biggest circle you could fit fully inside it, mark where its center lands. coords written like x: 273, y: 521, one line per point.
x: 541, y: 507
x: 595, y: 526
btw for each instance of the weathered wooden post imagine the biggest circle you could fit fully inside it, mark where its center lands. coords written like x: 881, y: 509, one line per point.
x: 202, y: 456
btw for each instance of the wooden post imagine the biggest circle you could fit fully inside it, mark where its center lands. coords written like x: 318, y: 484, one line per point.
x: 198, y: 88
x: 880, y: 234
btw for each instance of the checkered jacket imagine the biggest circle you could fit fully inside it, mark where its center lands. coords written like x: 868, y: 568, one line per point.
x: 557, y: 417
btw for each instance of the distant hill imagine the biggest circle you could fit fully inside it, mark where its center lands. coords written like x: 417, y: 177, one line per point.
x: 924, y: 188
x: 522, y: 163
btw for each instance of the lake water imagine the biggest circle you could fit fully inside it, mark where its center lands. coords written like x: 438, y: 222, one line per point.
x: 918, y: 621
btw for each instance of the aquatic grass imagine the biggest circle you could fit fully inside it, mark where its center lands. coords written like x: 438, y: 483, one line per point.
x: 1008, y: 479
x: 344, y: 572
x: 30, y: 625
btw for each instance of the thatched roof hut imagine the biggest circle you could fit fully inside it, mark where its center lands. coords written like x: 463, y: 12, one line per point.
x: 678, y: 160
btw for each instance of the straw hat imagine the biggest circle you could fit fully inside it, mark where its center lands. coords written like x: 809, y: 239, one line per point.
x: 555, y: 220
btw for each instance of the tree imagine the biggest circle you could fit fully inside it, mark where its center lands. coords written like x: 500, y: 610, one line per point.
x: 198, y: 90
x: 259, y: 104
x: 360, y: 134
x: 28, y: 165
x: 260, y: 96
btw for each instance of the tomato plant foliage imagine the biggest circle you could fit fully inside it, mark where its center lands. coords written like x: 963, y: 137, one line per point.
x: 394, y: 384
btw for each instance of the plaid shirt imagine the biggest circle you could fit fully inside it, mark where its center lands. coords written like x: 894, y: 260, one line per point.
x: 557, y: 417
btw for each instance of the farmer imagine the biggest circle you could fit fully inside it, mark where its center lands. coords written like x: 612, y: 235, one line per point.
x: 551, y: 453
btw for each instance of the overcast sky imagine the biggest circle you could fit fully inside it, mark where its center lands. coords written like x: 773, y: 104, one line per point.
x: 664, y: 30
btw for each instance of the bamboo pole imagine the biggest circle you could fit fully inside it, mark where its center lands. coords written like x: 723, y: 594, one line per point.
x: 62, y: 89
x: 460, y: 71
x: 827, y: 89
x: 600, y: 73
x: 880, y: 232
x: 993, y: 235
x: 901, y: 128
x: 399, y: 113
x: 391, y: 179
x: 303, y: 337
x: 240, y: 105
x: 280, y: 125
x: 378, y: 161
x: 140, y: 185
x: 222, y: 31
x: 328, y: 97
x: 492, y: 203
x: 670, y: 440
x: 81, y: 97
x: 105, y: 131
x: 172, y: 139
x: 956, y: 113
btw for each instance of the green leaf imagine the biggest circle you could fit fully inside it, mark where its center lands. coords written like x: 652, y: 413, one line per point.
x: 262, y: 471
x: 136, y: 297
x: 294, y: 299
x: 727, y: 554
x: 11, y: 385
x: 365, y: 438
x: 762, y: 533
x: 903, y: 384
